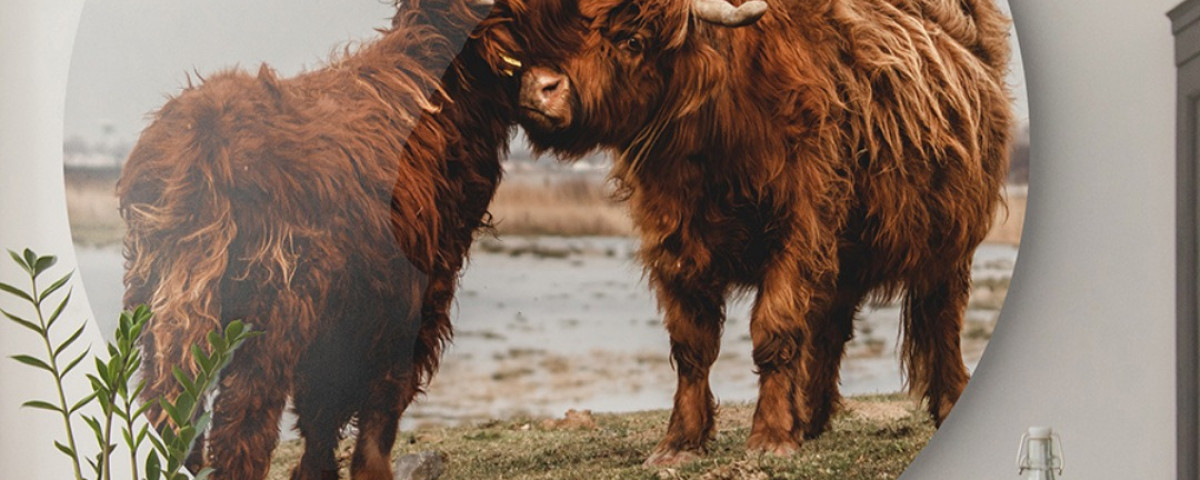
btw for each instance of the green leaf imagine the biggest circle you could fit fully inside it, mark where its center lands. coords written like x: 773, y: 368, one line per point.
x: 158, y: 444
x: 54, y: 287
x: 66, y: 343
x: 106, y: 405
x: 173, y: 412
x: 114, y: 370
x: 141, y: 314
x: 33, y: 362
x: 206, y: 362
x: 82, y: 402
x: 142, y: 409
x: 95, y: 425
x: 75, y: 362
x: 23, y: 322
x: 97, y: 384
x: 65, y: 449
x: 38, y: 404
x: 216, y: 341
x: 20, y: 261
x: 203, y: 421
x: 30, y: 258
x: 204, y: 473
x: 42, y: 263
x: 135, y: 362
x: 102, y: 369
x: 183, y: 380
x: 153, y: 466
x: 58, y: 310
x: 183, y: 407
x: 16, y: 291
x: 141, y: 436
x: 234, y: 330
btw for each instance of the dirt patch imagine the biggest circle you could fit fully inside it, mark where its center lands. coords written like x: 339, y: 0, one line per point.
x: 878, y: 411
x: 573, y: 420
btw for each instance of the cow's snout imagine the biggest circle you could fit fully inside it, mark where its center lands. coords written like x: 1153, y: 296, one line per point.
x: 549, y: 87
x: 546, y: 98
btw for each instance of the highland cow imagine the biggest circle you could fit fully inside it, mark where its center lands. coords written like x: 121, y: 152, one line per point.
x: 332, y: 211
x: 819, y: 152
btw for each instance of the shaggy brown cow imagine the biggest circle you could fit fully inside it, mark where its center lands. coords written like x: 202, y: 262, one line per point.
x: 824, y: 152
x: 315, y: 208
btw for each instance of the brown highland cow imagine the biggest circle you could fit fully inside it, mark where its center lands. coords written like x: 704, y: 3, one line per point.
x: 332, y: 211
x: 824, y: 152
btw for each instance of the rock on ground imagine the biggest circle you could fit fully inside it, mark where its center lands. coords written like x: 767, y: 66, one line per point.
x: 419, y: 466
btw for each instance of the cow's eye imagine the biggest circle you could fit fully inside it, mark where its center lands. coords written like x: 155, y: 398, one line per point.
x: 632, y: 45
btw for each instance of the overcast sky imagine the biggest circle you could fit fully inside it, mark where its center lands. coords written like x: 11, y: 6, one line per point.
x: 130, y: 54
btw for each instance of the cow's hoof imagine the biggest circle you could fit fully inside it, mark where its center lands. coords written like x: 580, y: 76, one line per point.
x: 779, y: 447
x: 665, y: 457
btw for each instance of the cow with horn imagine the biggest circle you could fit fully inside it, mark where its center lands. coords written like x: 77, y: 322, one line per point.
x: 816, y: 152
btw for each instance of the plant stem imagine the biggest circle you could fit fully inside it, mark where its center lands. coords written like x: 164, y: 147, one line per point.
x: 132, y: 435
x: 106, y: 449
x: 62, y: 396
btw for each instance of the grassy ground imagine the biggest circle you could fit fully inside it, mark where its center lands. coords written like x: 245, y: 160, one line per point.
x: 875, y: 438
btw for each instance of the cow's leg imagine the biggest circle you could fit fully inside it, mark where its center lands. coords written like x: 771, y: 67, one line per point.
x: 933, y: 316
x: 246, y: 414
x: 378, y: 421
x: 320, y: 425
x: 780, y: 334
x: 831, y: 329
x: 255, y: 387
x: 325, y: 398
x: 435, y: 329
x: 694, y: 318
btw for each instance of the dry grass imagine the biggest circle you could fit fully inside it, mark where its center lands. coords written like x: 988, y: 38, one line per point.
x: 876, y: 438
x: 582, y: 204
x: 92, y: 208
x: 568, y: 204
x: 563, y: 204
x: 1010, y: 221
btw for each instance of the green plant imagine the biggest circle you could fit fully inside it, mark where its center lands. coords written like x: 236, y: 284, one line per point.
x: 35, y: 266
x: 113, y: 383
x: 178, y: 438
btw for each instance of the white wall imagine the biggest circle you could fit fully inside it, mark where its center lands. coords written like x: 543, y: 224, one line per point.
x: 1085, y: 343
x: 35, y: 44
x: 1086, y: 339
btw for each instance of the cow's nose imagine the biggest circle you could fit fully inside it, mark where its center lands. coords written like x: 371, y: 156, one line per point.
x: 549, y: 88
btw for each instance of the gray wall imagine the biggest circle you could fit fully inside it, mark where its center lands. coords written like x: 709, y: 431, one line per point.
x: 1086, y: 340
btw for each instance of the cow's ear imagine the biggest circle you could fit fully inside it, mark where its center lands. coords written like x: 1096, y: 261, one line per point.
x: 494, y: 41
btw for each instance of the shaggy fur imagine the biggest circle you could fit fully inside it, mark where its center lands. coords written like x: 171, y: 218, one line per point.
x: 332, y: 211
x: 834, y: 150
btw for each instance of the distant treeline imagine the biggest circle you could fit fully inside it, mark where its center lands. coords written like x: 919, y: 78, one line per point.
x: 104, y: 158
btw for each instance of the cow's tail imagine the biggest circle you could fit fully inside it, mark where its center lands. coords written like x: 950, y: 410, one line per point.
x: 179, y: 229
x: 979, y: 25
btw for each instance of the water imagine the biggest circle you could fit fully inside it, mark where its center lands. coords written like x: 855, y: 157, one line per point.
x: 539, y: 333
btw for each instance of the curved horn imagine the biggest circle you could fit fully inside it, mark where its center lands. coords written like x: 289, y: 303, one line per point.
x: 482, y: 3
x: 721, y: 12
